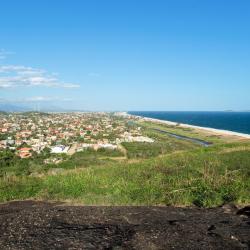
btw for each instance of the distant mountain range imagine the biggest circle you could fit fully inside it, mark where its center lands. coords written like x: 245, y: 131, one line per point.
x: 7, y: 107
x: 12, y: 108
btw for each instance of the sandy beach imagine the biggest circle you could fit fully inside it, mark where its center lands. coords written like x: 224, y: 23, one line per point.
x: 212, y: 130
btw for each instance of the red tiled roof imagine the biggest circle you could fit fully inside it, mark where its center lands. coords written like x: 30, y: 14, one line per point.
x: 24, y: 149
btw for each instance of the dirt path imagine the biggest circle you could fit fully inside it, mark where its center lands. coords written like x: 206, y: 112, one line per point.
x: 40, y: 225
x: 123, y: 150
x: 72, y: 149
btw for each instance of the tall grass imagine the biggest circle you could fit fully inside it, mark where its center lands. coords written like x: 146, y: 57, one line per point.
x: 203, y: 177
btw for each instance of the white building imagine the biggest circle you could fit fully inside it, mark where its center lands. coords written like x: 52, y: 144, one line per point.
x: 59, y: 149
x: 107, y: 145
x: 130, y: 138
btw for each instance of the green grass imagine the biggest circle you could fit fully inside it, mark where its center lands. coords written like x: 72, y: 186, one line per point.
x: 11, y: 165
x: 142, y: 150
x: 163, y: 144
x: 205, y: 177
x: 189, y: 132
x: 184, y: 174
x: 87, y: 158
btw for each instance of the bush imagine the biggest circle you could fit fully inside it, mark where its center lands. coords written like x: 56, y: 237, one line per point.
x: 203, y: 195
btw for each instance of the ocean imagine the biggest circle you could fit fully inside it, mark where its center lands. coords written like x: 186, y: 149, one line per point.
x: 226, y: 120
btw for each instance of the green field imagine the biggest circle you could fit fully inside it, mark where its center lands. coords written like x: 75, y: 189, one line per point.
x: 11, y: 165
x: 167, y: 172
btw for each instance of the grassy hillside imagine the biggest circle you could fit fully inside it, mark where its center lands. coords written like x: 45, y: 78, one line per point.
x: 11, y: 165
x: 201, y: 176
x: 169, y: 171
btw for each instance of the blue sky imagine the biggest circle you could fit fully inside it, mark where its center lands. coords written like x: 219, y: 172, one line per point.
x: 126, y: 55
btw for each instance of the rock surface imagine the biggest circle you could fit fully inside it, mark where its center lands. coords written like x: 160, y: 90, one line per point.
x: 41, y: 225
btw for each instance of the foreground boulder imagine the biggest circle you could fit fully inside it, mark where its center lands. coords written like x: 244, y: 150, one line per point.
x: 40, y: 225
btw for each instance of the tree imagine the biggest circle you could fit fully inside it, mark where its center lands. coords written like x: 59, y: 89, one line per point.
x: 7, y: 158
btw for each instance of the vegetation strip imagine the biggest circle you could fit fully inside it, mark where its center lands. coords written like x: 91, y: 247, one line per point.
x: 195, y: 140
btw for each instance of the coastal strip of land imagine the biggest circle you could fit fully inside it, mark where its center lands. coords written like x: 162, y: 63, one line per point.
x: 183, y: 125
x: 195, y: 140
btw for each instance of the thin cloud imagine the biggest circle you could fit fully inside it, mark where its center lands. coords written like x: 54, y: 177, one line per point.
x: 4, y: 54
x: 21, y: 70
x: 36, y: 99
x: 45, y: 99
x: 21, y: 76
x: 70, y: 85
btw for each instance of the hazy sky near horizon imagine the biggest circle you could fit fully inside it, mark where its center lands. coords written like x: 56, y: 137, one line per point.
x: 126, y: 55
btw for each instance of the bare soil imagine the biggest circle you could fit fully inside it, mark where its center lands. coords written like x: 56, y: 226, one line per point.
x: 41, y: 225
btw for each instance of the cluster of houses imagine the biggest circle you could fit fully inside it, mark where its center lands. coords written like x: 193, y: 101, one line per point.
x: 65, y: 132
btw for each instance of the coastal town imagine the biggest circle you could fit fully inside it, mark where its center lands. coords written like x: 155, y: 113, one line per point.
x: 32, y: 133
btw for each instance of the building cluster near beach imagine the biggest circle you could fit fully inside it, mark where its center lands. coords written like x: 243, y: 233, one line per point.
x: 65, y: 133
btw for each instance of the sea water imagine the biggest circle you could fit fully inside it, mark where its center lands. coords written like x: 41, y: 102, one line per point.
x: 226, y: 120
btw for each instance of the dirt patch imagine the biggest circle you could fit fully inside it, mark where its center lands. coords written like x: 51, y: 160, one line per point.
x: 41, y: 225
x: 230, y: 150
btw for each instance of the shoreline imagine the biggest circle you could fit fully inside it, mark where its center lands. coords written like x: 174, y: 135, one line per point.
x: 183, y: 125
